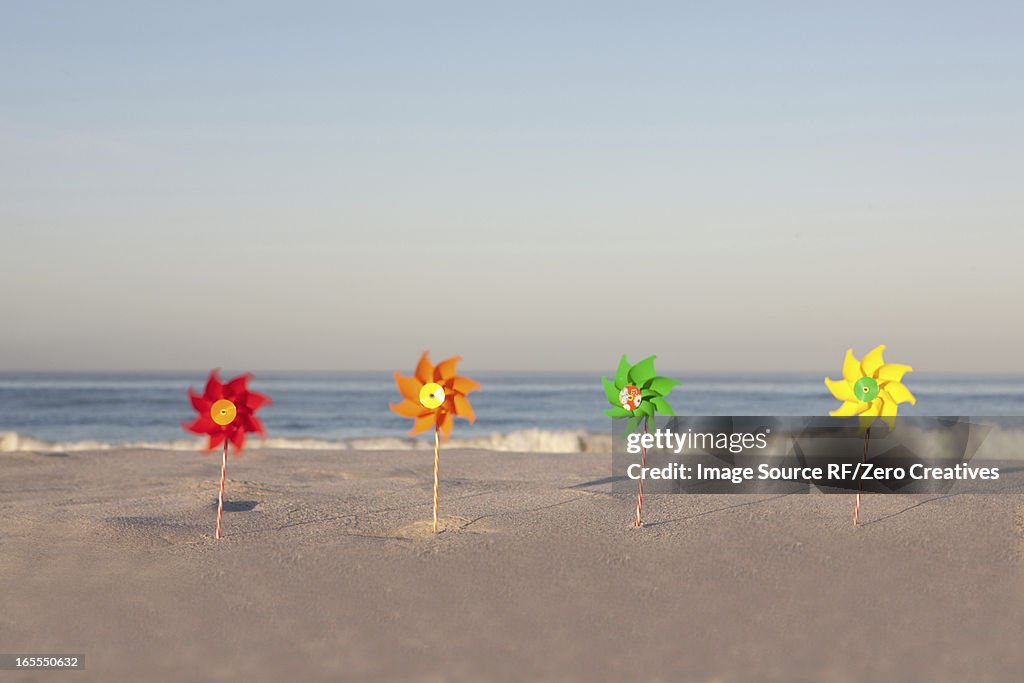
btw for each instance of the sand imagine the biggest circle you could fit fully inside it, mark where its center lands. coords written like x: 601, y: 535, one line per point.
x: 328, y: 571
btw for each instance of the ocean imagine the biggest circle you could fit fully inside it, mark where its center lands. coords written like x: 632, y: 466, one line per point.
x: 325, y: 409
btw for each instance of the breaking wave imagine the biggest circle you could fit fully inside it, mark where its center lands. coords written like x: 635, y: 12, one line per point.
x: 521, y: 441
x: 1001, y: 442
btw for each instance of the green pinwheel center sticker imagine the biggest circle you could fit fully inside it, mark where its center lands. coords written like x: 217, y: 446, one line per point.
x: 637, y: 393
x: 866, y: 389
x: 630, y: 397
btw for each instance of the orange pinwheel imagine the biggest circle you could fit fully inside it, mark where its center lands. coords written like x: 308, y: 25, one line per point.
x: 434, y: 397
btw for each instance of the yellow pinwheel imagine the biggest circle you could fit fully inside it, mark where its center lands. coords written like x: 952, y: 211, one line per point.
x: 870, y: 388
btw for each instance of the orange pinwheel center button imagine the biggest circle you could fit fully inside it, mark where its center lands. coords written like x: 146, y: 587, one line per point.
x: 223, y: 412
x: 431, y: 395
x: 629, y: 397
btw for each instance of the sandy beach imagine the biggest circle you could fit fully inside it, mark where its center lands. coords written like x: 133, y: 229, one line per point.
x: 328, y: 571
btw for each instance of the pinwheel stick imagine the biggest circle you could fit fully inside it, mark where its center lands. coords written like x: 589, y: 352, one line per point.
x: 437, y: 447
x: 220, y: 496
x: 864, y: 458
x: 640, y: 486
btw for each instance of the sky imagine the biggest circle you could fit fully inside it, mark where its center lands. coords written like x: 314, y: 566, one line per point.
x: 751, y: 187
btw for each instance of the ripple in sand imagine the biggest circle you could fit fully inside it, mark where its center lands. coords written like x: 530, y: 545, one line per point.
x: 159, y: 530
x: 425, y: 529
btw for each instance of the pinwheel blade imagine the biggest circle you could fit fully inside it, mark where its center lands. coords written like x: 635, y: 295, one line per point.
x: 424, y: 370
x: 872, y: 361
x: 622, y: 373
x: 408, y: 387
x: 611, y: 392
x: 464, y: 385
x: 662, y: 406
x: 840, y: 389
x: 893, y: 372
x: 662, y: 385
x: 643, y: 372
x: 463, y: 408
x: 849, y: 409
x: 899, y: 393
x: 446, y: 369
x: 851, y: 368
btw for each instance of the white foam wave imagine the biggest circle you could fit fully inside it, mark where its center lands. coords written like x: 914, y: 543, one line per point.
x: 1000, y: 443
x: 523, y: 441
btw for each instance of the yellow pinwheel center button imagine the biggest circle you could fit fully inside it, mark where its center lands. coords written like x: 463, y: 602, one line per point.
x: 431, y: 395
x: 866, y: 389
x: 630, y: 397
x: 223, y: 412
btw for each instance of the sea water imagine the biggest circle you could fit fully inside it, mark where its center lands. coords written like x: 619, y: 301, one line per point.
x: 325, y: 409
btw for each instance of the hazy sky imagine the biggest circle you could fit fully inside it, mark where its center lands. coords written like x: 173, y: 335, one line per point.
x: 535, y: 186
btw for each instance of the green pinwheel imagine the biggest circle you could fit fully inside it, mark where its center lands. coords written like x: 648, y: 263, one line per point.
x: 638, y: 392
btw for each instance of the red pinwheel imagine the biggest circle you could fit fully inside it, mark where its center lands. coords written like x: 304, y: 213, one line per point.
x: 227, y: 411
x: 226, y: 414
